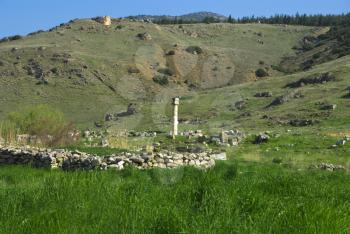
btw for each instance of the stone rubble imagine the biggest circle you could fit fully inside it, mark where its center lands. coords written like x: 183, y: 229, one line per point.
x: 72, y: 160
x: 328, y: 167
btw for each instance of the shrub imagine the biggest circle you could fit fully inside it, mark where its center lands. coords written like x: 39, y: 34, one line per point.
x: 316, y: 56
x: 161, y: 79
x: 132, y: 70
x: 166, y: 71
x: 194, y: 50
x: 261, y: 73
x: 171, y: 52
x: 46, y: 123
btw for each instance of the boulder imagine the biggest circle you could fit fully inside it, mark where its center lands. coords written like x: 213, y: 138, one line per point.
x: 263, y: 94
x: 328, y: 167
x: 144, y: 36
x: 137, y: 160
x: 240, y: 105
x: 302, y: 122
x: 105, y: 20
x: 329, y: 107
x: 220, y: 156
x: 314, y: 79
x: 108, y: 117
x: 261, y: 138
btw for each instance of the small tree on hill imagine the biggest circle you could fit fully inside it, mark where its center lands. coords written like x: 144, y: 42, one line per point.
x: 261, y: 73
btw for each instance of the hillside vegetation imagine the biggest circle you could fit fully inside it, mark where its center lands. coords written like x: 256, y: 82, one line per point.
x: 87, y: 69
x: 254, y: 78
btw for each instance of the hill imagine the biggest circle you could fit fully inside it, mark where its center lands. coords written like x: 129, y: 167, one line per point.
x: 87, y: 69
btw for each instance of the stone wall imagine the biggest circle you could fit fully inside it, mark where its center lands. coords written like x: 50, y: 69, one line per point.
x: 71, y: 160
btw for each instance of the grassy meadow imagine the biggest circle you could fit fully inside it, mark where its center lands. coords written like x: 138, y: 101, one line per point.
x: 231, y: 198
x: 249, y: 193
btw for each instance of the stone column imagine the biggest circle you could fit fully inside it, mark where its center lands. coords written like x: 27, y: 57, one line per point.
x: 176, y: 102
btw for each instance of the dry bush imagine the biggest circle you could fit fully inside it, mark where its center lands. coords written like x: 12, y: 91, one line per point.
x: 43, y: 123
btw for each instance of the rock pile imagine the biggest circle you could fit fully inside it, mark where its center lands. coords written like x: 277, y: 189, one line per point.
x: 263, y: 94
x: 144, y: 36
x: 286, y: 98
x: 328, y: 167
x: 72, y: 160
x: 261, y: 138
x: 314, y: 79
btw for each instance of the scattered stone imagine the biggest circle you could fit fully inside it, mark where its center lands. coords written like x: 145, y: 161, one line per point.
x: 131, y: 110
x: 144, y: 36
x: 133, y: 70
x: 104, y: 143
x: 285, y: 98
x: 240, y: 105
x: 302, y: 122
x: 341, y: 142
x: 220, y: 157
x: 171, y: 52
x: 261, y: 138
x: 329, y: 107
x: 315, y: 79
x: 108, y: 117
x: 328, y: 167
x: 263, y: 94
x: 194, y: 50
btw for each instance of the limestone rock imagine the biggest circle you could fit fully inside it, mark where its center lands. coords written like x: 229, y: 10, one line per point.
x: 261, y: 138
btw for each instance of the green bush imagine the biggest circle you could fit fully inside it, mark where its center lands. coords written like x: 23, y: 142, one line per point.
x: 46, y: 123
x: 194, y: 50
x: 161, y: 79
x: 261, y: 73
x: 166, y: 71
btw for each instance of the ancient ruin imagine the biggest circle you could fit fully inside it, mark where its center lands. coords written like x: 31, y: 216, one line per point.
x: 72, y: 160
x: 176, y: 102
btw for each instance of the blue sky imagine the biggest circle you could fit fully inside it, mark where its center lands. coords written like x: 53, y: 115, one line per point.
x: 24, y: 16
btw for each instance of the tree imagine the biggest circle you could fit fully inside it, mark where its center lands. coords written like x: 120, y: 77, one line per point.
x: 229, y: 20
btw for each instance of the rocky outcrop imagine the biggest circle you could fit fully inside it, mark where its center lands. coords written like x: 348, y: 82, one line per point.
x: 263, y: 94
x: 73, y: 160
x: 285, y: 98
x: 315, y: 79
x: 144, y: 36
x: 105, y: 20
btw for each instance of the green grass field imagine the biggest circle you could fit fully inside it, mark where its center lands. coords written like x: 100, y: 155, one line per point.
x: 249, y: 193
x: 231, y: 198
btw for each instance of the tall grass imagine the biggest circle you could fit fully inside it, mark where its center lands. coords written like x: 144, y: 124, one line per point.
x: 47, y: 124
x: 227, y: 199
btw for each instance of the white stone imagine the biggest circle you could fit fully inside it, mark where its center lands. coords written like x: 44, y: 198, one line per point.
x: 221, y: 156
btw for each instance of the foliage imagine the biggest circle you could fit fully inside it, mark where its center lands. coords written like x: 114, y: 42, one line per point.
x: 297, y: 19
x: 166, y: 71
x: 161, y: 79
x: 42, y: 121
x: 244, y: 198
x: 261, y: 72
x: 11, y: 38
x: 194, y: 49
